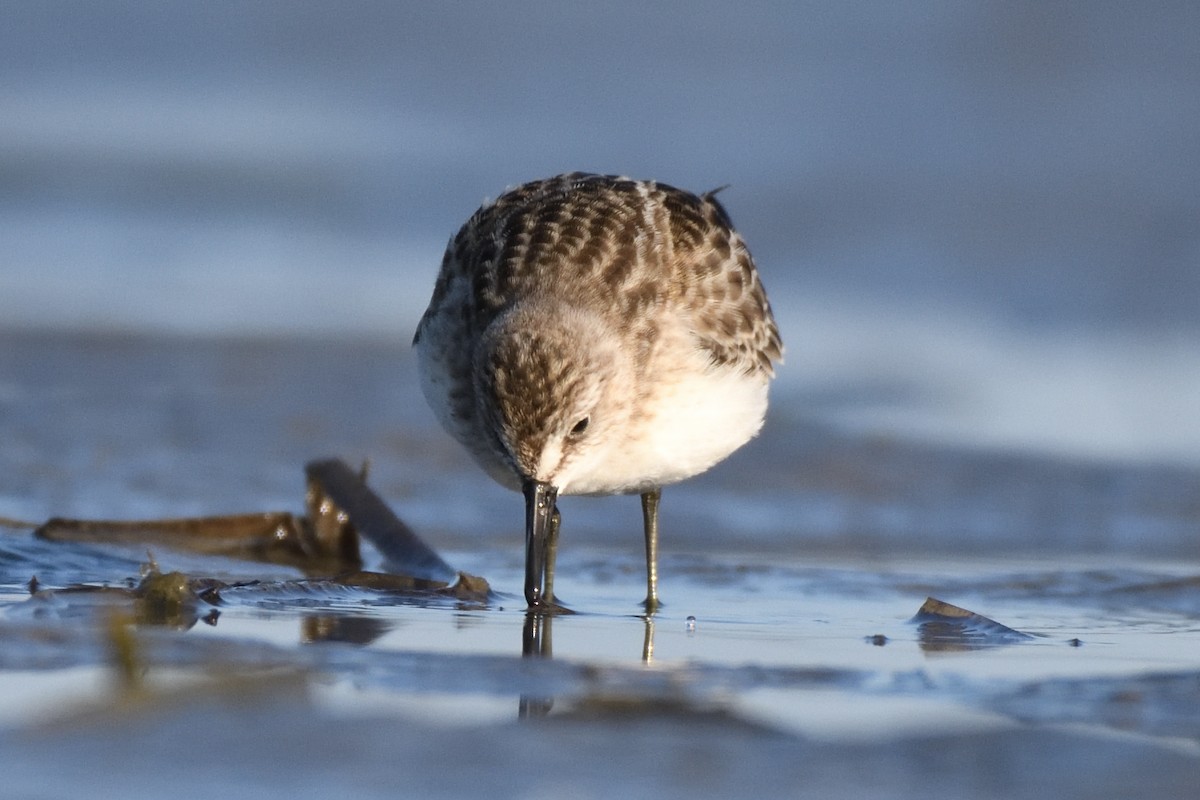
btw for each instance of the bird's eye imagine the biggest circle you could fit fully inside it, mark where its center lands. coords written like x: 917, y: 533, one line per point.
x: 580, y: 426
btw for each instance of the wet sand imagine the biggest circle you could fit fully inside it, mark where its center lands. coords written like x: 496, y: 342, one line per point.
x: 802, y: 561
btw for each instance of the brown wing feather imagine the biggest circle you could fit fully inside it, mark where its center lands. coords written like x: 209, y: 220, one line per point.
x: 720, y: 285
x: 638, y: 243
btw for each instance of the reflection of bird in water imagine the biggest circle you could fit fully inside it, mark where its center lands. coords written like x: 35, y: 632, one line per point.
x: 597, y: 335
x: 347, y: 628
x: 536, y: 642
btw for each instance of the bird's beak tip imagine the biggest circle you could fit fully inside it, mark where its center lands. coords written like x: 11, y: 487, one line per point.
x: 539, y: 507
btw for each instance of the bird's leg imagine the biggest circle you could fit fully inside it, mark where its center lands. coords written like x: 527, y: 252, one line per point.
x: 650, y: 519
x: 539, y: 513
x: 551, y: 554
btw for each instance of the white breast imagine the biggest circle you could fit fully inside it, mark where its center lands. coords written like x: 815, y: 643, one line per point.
x: 694, y: 418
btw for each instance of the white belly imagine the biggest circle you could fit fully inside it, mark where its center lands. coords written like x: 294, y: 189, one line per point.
x: 693, y: 423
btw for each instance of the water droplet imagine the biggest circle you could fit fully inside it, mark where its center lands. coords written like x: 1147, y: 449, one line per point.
x: 691, y: 624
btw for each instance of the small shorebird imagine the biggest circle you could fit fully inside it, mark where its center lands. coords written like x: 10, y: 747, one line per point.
x: 597, y: 335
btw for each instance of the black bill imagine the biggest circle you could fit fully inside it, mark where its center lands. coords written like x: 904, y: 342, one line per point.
x: 539, y: 510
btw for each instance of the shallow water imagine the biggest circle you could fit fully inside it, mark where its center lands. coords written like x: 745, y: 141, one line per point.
x: 977, y: 225
x: 785, y: 661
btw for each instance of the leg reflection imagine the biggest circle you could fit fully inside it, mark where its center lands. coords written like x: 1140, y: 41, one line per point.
x: 536, y: 643
x: 648, y: 642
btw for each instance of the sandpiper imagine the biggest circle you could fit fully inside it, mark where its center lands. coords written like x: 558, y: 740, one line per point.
x: 596, y: 335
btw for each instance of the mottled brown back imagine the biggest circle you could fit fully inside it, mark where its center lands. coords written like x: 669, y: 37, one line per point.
x: 633, y: 245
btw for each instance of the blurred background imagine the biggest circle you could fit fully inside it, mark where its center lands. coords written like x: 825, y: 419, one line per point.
x: 979, y: 225
x: 978, y: 222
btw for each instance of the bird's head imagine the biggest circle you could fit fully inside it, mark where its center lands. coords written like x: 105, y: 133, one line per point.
x: 549, y: 381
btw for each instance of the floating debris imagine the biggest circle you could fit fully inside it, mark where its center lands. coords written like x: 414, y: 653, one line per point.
x: 166, y: 599
x: 341, y: 508
x: 944, y: 627
x: 339, y: 499
x: 276, y: 538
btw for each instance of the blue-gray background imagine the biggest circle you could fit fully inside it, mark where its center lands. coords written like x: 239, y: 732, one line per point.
x: 978, y: 221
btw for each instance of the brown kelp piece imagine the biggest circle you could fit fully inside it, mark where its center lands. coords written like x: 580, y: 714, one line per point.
x: 277, y: 537
x: 466, y: 587
x: 944, y: 627
x: 341, y: 507
x: 164, y: 599
x: 335, y: 489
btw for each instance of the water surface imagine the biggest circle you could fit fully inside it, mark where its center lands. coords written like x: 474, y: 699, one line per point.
x: 786, y: 659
